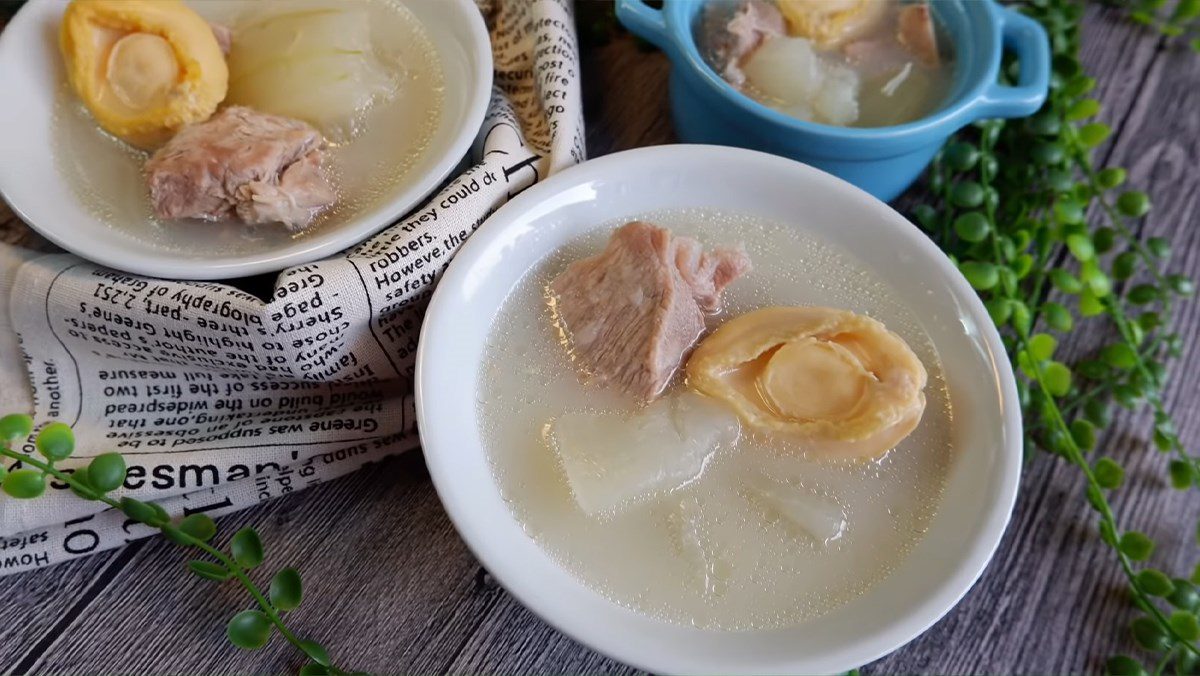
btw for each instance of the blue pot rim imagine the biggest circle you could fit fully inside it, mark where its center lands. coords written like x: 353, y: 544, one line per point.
x: 943, y: 121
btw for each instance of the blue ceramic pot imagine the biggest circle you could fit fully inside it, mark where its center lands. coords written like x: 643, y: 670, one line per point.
x: 881, y: 160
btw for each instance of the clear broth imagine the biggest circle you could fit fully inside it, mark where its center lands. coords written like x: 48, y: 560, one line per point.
x: 921, y: 92
x: 755, y: 571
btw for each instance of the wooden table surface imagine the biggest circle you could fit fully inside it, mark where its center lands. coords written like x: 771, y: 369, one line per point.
x: 390, y: 587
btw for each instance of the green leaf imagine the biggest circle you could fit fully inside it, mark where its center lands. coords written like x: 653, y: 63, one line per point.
x: 1045, y: 123
x: 1181, y: 473
x: 926, y: 216
x: 1123, y: 665
x: 966, y: 194
x: 80, y: 485
x: 1149, y: 635
x: 1022, y: 265
x: 249, y: 630
x: 1068, y: 212
x: 1093, y: 369
x: 1090, y: 304
x: 1184, y: 596
x: 1064, y: 281
x: 1083, y: 109
x: 1096, y: 412
x: 199, y: 526
x: 1119, y: 356
x: 961, y: 156
x: 1021, y: 320
x: 1154, y: 582
x: 999, y: 309
x: 315, y: 651
x: 1104, y: 239
x: 1163, y: 440
x: 1126, y: 396
x: 1186, y: 663
x: 1079, y: 85
x: 24, y: 484
x: 1093, y: 134
x: 1097, y: 282
x: 286, y: 591
x: 1084, y: 434
x: 1143, y: 294
x: 1185, y: 625
x: 1048, y: 154
x: 981, y: 275
x: 159, y: 512
x: 142, y: 512
x: 1041, y: 346
x: 1159, y: 247
x: 1133, y: 203
x: 1149, y: 321
x: 15, y: 427
x: 314, y: 670
x: 1108, y: 473
x: 1136, y: 545
x: 972, y: 226
x: 1111, y: 177
x: 1124, y: 265
x: 56, y: 441
x: 247, y: 548
x: 1058, y: 317
x: 1081, y: 247
x: 1181, y: 285
x: 1057, y: 378
x: 1060, y: 180
x: 209, y: 570
x: 1185, y: 10
x: 106, y: 472
x: 1195, y: 579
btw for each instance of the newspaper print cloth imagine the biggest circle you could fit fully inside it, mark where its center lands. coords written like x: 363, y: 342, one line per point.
x: 219, y: 400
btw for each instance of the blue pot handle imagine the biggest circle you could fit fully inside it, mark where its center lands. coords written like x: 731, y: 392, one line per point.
x: 1028, y: 39
x: 645, y: 22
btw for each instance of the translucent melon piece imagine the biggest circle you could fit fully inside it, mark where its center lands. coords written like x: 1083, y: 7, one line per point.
x: 612, y: 460
x: 836, y: 101
x: 786, y: 69
x: 815, y: 516
x: 313, y: 61
x: 805, y: 85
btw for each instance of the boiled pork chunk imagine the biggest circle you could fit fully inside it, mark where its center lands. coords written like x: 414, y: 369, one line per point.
x: 259, y: 168
x: 632, y: 312
x: 753, y: 23
x: 917, y: 33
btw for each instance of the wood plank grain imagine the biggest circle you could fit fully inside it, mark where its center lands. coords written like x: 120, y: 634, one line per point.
x: 38, y: 604
x: 388, y: 587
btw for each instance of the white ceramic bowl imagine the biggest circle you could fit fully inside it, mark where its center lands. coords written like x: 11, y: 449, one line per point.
x: 981, y: 485
x: 32, y: 72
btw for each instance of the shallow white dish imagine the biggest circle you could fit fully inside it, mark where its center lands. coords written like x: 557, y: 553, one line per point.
x: 981, y: 485
x: 31, y: 73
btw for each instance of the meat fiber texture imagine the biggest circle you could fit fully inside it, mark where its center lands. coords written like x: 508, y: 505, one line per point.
x: 261, y: 168
x: 734, y: 37
x: 223, y: 396
x: 633, y: 311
